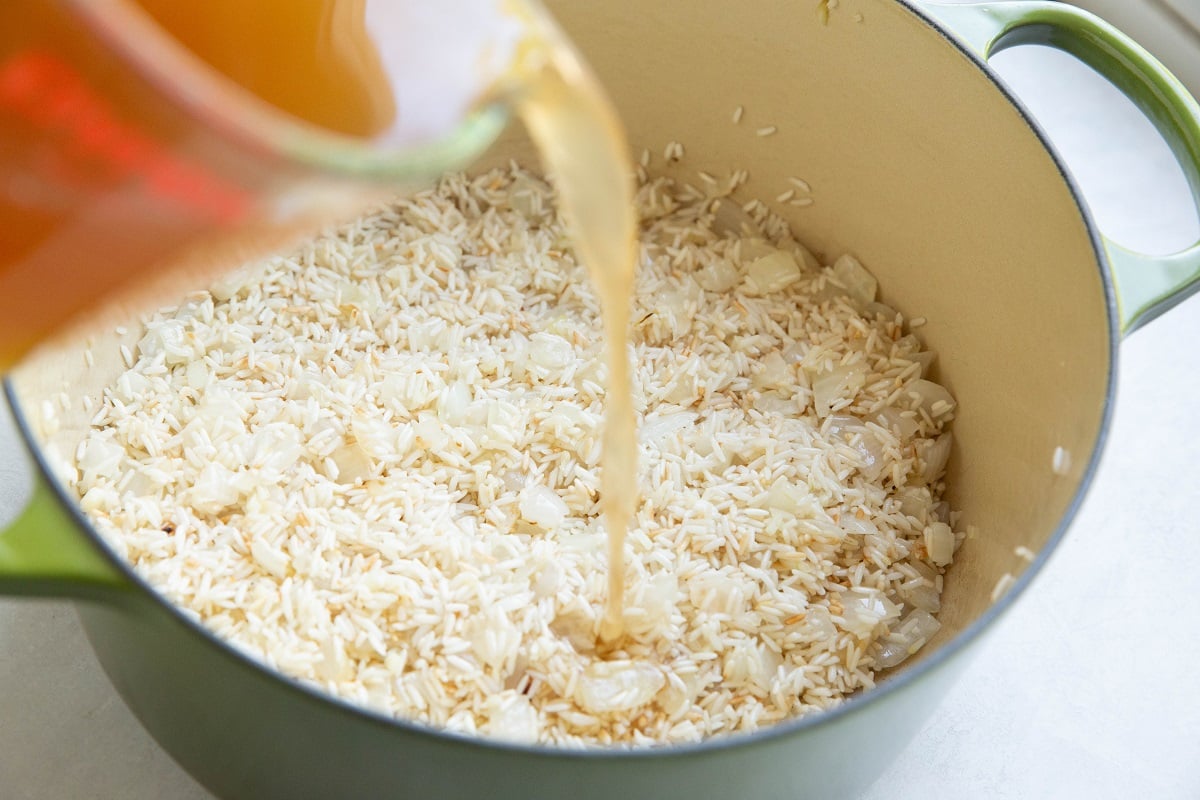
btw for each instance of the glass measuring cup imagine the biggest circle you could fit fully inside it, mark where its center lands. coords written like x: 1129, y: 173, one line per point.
x: 125, y: 154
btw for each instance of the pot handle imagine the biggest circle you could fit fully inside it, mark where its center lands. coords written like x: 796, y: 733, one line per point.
x: 43, y: 553
x: 1146, y: 286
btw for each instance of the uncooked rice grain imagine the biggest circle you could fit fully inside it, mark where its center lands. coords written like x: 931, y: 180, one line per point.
x: 1060, y: 462
x: 372, y: 465
x: 1002, y: 586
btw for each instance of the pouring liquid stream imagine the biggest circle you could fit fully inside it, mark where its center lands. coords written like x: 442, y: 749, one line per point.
x: 583, y: 145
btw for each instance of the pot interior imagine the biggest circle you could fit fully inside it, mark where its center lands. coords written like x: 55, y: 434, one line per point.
x: 919, y: 166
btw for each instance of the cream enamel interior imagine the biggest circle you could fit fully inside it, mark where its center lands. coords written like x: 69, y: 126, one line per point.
x: 919, y: 166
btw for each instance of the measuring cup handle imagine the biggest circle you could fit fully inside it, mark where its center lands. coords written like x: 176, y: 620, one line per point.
x: 44, y: 552
x: 1146, y: 285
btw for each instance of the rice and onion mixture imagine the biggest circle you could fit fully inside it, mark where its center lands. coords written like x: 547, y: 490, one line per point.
x: 373, y: 466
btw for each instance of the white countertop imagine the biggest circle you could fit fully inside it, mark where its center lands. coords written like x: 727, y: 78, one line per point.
x: 1084, y: 690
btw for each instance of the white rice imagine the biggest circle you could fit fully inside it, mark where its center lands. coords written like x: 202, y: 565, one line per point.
x: 372, y: 465
x: 1060, y: 462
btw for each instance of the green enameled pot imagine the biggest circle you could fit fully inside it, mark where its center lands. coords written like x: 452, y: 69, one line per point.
x: 922, y: 165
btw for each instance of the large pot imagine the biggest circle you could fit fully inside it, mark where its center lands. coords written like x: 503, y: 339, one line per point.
x: 924, y: 167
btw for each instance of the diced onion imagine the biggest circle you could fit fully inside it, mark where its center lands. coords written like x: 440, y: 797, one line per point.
x: 854, y: 277
x: 716, y: 593
x: 915, y: 501
x: 773, y: 372
x: 919, y: 625
x: 682, y: 389
x: 170, y: 338
x: 513, y: 481
x: 891, y: 653
x: 657, y: 601
x: 214, y: 489
x: 749, y: 665
x: 453, y: 402
x: 861, y: 438
x: 924, y: 597
x: 717, y: 276
x: 526, y: 195
x: 880, y: 310
x: 99, y: 457
x: 935, y: 456
x: 493, y: 637
x: 852, y: 524
x: 230, y: 284
x: 866, y: 609
x: 778, y: 403
x: 913, y: 632
x: 548, y: 579
x: 198, y: 375
x: 275, y: 448
x: 933, y: 397
x: 542, y: 506
x: 925, y: 358
x: 550, y: 351
x: 272, y: 559
x: 794, y: 353
x: 804, y: 256
x: 673, y: 300
x: 818, y: 625
x: 939, y: 541
x: 353, y: 463
x: 355, y: 293
x: 511, y: 718
x: 430, y: 433
x: 729, y: 218
x: 839, y: 383
x: 771, y: 273
x: 904, y: 424
x: 786, y: 496
x: 608, y: 686
x: 749, y: 250
x: 660, y: 426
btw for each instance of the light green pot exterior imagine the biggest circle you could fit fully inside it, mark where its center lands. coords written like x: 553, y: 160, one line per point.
x: 247, y: 733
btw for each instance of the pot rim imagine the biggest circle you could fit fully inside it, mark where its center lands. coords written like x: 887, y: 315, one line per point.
x: 859, y: 701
